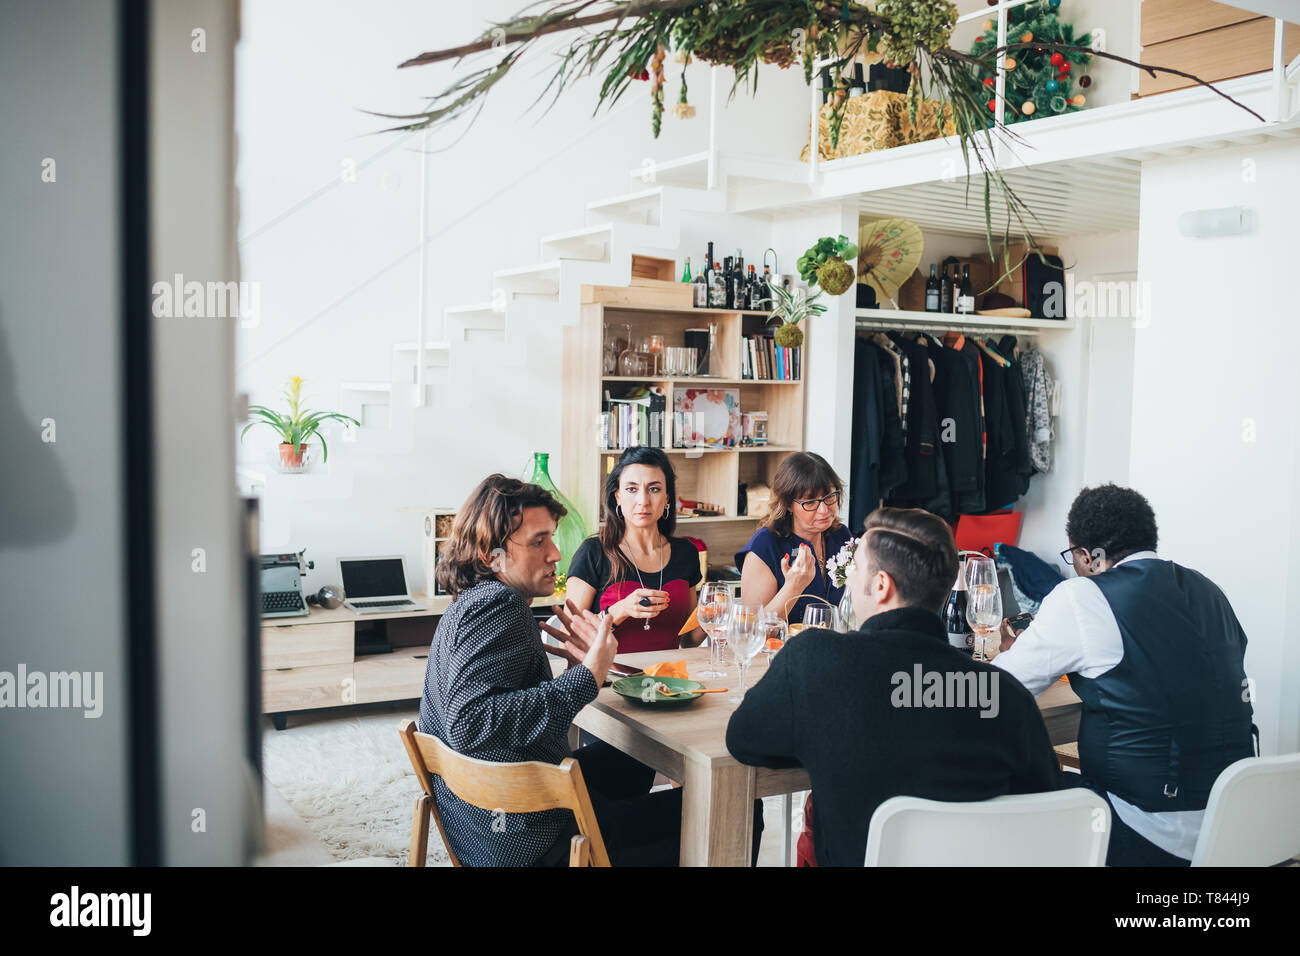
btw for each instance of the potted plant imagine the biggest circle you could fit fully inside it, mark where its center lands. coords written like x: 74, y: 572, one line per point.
x: 792, y: 307
x: 825, y: 264
x: 296, y: 427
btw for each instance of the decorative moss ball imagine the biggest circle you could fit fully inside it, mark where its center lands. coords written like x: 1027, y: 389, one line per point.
x: 788, y: 336
x: 835, y: 275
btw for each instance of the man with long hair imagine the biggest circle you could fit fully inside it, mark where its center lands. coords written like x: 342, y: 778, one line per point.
x: 489, y: 692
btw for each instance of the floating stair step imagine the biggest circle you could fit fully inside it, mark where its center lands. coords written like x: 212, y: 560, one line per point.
x: 591, y: 244
x: 641, y: 207
x: 541, y: 279
x: 378, y: 388
x: 436, y: 354
x: 691, y: 172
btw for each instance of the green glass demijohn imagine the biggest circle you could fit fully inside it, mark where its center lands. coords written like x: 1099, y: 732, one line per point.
x: 571, y: 531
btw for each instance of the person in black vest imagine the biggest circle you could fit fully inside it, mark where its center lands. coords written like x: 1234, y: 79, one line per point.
x: 1156, y: 654
x: 892, y: 709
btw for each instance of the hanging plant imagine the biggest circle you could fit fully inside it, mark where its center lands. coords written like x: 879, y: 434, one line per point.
x: 619, y: 38
x: 790, y: 308
x: 825, y: 264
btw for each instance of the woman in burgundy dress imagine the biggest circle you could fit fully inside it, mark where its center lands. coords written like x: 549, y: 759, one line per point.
x: 634, y: 568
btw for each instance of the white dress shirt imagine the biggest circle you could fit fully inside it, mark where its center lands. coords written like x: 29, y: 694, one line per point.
x: 1076, y: 632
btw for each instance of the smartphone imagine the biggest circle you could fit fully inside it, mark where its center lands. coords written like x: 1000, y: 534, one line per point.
x: 1020, y: 622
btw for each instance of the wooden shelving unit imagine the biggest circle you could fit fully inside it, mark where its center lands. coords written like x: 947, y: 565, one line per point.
x: 653, y: 303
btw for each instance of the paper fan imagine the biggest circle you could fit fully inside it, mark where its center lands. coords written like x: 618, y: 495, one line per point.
x: 889, y: 250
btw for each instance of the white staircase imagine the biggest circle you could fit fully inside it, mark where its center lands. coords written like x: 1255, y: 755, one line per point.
x: 538, y: 298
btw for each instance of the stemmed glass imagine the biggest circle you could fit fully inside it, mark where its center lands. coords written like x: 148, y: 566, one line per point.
x: 984, y: 614
x: 745, y: 638
x: 713, y: 612
x: 815, y: 615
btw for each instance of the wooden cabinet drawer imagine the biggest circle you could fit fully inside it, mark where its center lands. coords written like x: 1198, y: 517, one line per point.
x: 307, y: 645
x: 396, y: 676
x: 302, y: 688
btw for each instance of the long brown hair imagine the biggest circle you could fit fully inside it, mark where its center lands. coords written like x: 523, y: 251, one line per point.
x: 483, y: 525
x: 611, y: 534
x: 801, y: 475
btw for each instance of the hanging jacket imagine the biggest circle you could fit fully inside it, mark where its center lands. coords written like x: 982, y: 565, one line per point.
x: 1038, y: 417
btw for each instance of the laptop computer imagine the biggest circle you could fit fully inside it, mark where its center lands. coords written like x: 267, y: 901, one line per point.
x: 376, y: 585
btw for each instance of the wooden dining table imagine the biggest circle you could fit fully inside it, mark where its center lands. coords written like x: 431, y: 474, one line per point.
x: 687, y: 743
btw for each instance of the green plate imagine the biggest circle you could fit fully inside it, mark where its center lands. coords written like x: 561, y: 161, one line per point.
x: 635, y: 688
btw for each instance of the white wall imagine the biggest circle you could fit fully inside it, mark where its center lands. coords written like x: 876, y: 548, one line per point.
x: 1216, y: 409
x: 338, y: 261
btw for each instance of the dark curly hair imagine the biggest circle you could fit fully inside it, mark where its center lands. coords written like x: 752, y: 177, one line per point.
x: 1117, y: 521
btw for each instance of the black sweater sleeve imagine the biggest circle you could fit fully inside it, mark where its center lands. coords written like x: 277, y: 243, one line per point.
x: 1039, y: 770
x: 761, y: 732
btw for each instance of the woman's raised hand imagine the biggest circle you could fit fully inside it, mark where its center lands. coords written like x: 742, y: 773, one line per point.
x: 800, y: 572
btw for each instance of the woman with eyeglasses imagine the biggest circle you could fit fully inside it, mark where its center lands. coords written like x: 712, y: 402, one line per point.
x: 786, y: 557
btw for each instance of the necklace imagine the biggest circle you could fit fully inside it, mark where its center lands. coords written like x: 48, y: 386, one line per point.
x: 645, y: 601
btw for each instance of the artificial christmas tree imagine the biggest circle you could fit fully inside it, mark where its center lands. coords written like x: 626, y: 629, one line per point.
x: 1039, y: 81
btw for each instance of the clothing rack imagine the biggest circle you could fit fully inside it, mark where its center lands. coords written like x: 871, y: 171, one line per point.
x: 973, y: 328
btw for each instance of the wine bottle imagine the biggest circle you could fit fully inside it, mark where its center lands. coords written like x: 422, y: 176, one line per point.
x: 960, y: 636
x: 932, y: 290
x: 753, y: 295
x: 686, y: 270
x: 859, y: 85
x: 966, y: 296
x: 728, y: 264
x: 738, y: 283
x: 701, y: 291
x: 945, y: 292
x: 717, y: 289
x: 708, y: 277
x: 767, y: 289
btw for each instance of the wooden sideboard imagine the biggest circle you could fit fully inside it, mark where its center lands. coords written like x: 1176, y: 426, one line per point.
x: 312, y: 662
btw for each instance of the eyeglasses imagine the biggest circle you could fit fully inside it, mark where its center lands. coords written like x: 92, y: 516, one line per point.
x: 831, y: 501
x: 1068, y: 554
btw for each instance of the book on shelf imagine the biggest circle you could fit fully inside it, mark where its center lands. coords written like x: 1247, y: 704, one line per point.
x: 763, y: 360
x: 636, y: 419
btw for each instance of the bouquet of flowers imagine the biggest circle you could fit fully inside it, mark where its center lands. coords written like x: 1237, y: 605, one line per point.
x: 839, y: 566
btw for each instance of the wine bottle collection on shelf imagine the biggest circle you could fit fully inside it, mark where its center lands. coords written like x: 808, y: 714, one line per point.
x: 729, y: 286
x: 949, y: 293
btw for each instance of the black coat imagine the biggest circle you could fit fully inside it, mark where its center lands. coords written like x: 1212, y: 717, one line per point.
x: 832, y: 704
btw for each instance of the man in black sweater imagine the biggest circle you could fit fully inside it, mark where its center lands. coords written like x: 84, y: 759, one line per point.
x: 892, y: 709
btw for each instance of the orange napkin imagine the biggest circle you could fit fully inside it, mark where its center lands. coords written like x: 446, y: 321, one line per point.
x: 691, y: 624
x: 668, y: 669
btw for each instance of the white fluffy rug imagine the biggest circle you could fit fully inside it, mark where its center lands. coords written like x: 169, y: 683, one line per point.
x: 351, y: 782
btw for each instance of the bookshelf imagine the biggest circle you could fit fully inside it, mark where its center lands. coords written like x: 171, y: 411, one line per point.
x: 654, y: 304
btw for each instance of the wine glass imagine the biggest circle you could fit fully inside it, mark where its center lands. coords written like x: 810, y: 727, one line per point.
x: 713, y: 611
x: 774, y: 628
x: 984, y: 615
x: 980, y: 571
x: 745, y: 638
x: 816, y: 615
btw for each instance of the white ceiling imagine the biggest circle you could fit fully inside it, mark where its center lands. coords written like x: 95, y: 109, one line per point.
x: 1075, y: 198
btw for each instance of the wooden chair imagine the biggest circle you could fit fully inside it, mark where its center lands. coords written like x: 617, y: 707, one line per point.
x: 1067, y: 755
x: 523, y: 787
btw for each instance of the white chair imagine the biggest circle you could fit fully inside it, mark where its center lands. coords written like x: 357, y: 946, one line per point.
x: 1060, y: 828
x: 1253, y: 814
